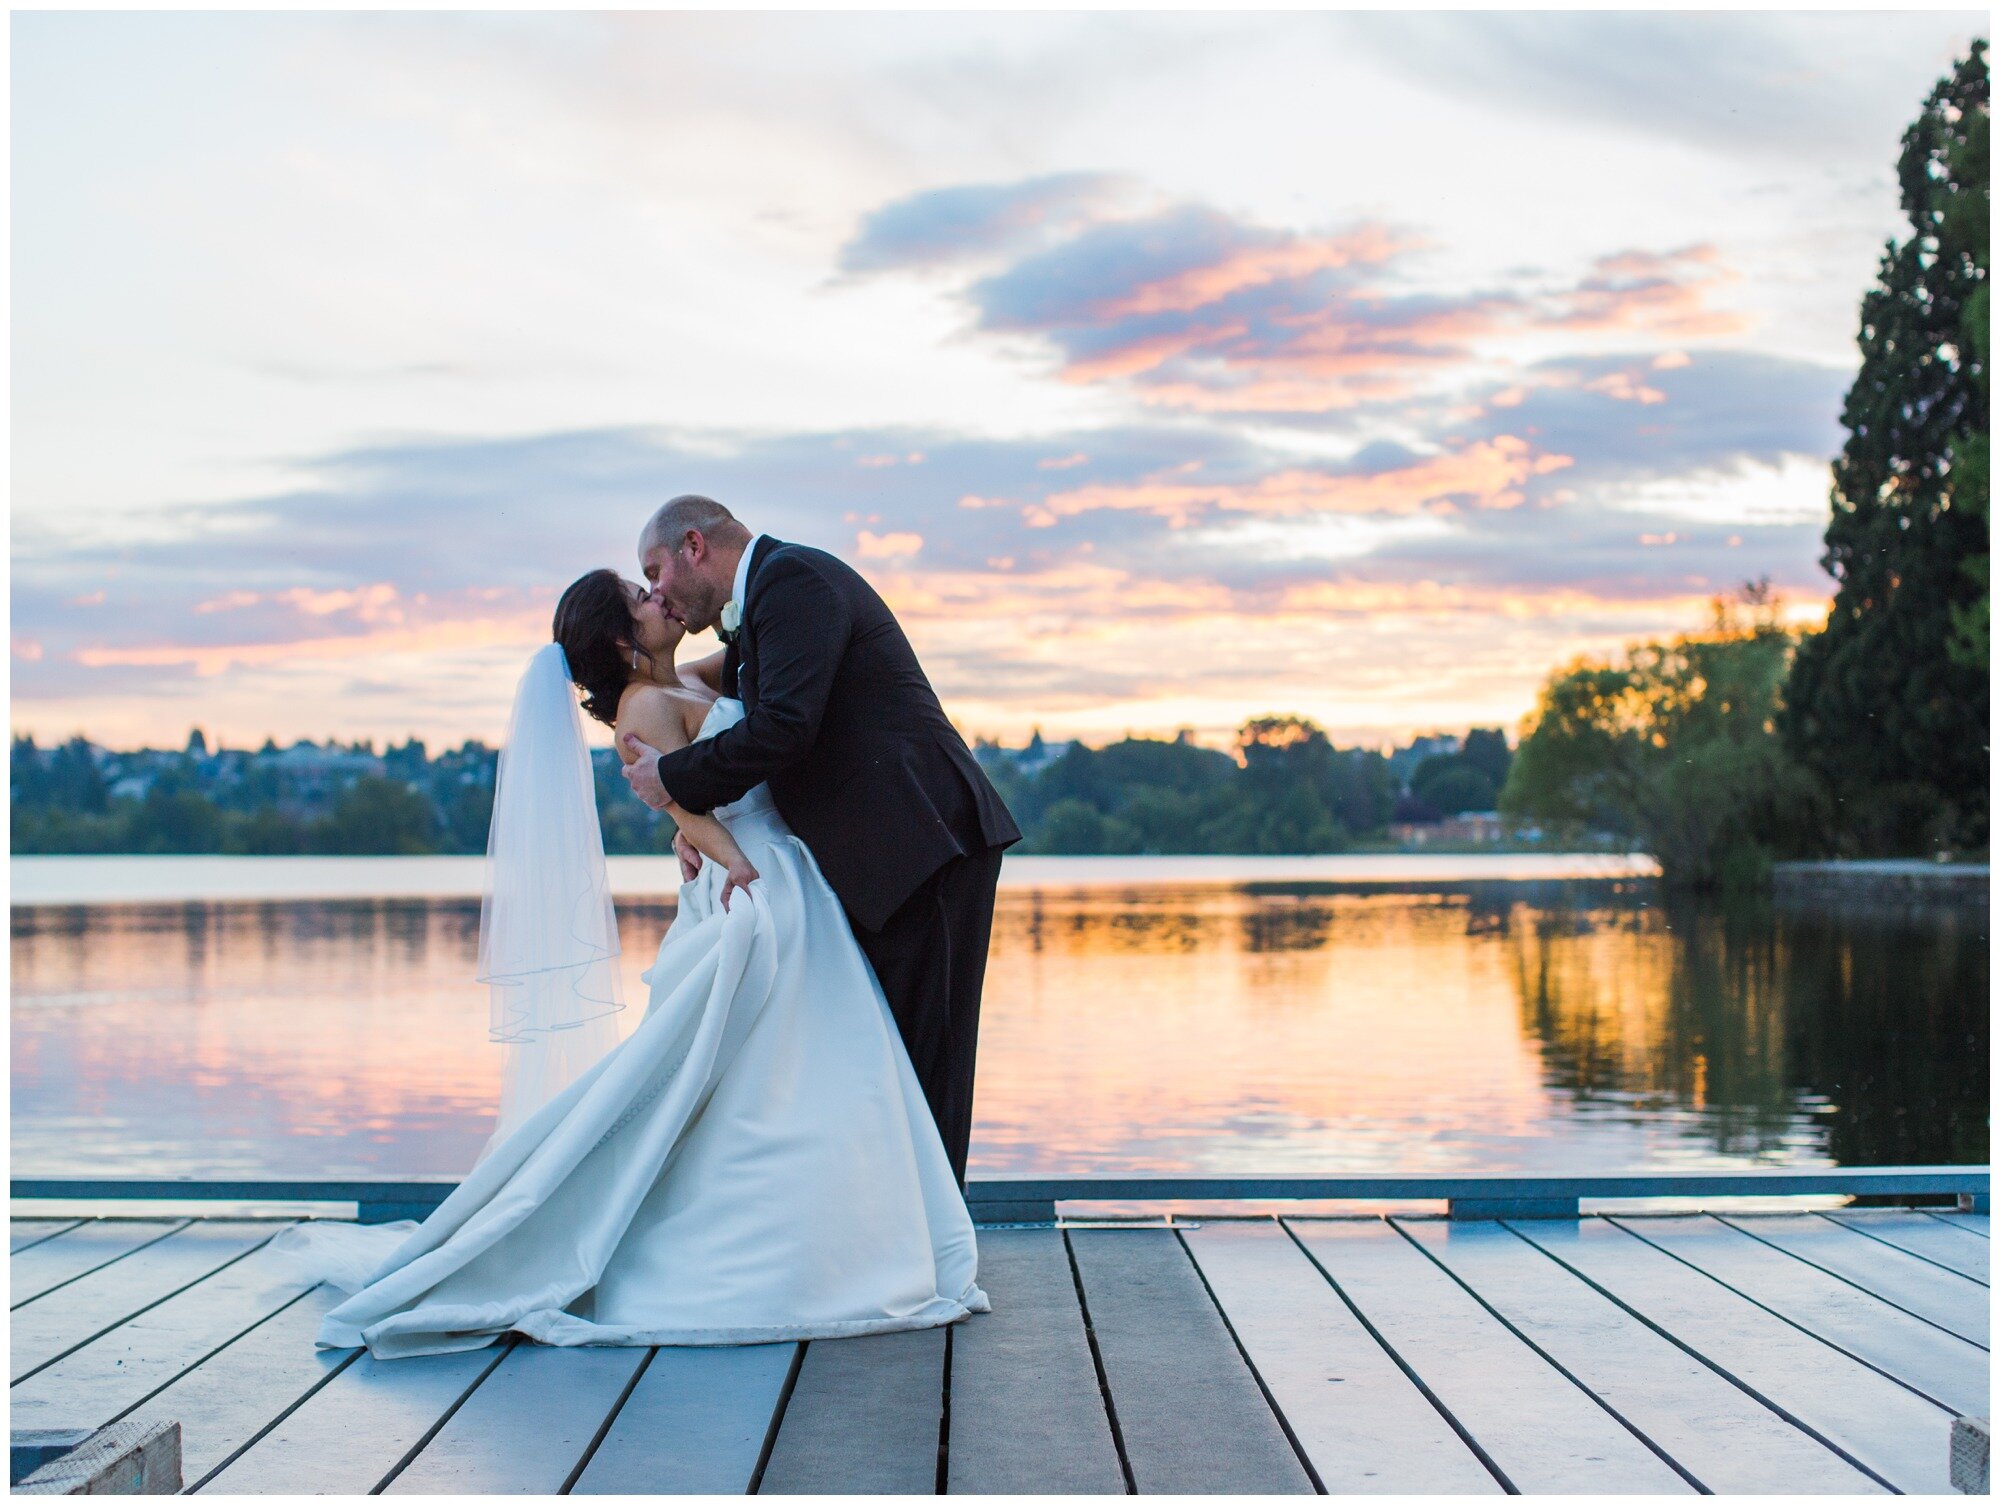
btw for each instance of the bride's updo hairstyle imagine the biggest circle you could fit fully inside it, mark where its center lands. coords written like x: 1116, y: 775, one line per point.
x: 594, y: 625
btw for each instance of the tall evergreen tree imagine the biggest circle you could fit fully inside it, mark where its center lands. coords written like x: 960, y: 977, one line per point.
x: 1968, y: 228
x: 1878, y: 705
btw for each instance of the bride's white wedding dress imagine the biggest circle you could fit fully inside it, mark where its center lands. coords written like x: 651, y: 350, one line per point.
x: 755, y: 1163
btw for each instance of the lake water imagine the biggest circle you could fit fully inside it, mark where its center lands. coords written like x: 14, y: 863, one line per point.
x: 1142, y: 1015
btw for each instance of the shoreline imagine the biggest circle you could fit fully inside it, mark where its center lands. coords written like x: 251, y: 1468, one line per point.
x: 1882, y: 879
x: 49, y: 881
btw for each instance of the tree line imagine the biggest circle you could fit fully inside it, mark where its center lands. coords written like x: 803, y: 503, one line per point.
x: 308, y: 800
x: 1285, y: 789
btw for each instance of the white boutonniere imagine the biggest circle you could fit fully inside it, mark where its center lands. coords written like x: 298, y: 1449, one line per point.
x: 732, y: 620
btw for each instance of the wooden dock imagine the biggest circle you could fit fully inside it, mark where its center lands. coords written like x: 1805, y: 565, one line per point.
x: 1616, y: 1353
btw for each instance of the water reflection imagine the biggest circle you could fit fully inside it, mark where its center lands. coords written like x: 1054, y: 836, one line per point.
x: 1861, y: 1032
x: 1574, y: 1025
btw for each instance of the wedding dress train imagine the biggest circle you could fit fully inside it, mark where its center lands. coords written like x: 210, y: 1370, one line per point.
x: 755, y: 1163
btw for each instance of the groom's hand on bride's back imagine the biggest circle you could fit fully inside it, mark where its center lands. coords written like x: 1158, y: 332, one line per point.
x: 643, y: 772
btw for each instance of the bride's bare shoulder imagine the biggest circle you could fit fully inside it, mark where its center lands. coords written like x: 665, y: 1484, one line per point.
x: 661, y: 717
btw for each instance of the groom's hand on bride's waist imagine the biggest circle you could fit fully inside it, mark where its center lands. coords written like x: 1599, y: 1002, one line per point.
x: 643, y: 773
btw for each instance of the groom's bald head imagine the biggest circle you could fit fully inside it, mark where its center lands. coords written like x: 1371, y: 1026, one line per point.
x: 698, y: 514
x: 689, y: 551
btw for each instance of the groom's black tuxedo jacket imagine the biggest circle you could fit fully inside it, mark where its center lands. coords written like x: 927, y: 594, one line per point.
x: 840, y: 721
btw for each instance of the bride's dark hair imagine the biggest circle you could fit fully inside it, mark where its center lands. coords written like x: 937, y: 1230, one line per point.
x: 594, y: 625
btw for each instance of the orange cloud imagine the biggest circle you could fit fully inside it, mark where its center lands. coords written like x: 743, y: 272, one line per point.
x: 1065, y: 591
x: 1666, y: 291
x: 1254, y: 266
x: 1271, y: 322
x: 1432, y: 598
x: 1491, y: 472
x: 210, y: 659
x: 1623, y: 387
x: 368, y: 603
x: 888, y: 545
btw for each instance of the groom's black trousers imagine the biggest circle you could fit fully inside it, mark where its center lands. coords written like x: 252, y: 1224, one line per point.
x: 931, y: 959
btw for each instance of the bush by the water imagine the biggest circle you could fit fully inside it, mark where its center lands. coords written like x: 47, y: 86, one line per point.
x: 1675, y: 744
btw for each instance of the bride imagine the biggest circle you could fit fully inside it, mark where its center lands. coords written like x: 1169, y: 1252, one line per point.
x: 755, y: 1163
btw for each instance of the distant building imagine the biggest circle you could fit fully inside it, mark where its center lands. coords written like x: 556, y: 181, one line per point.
x: 1405, y: 761
x: 333, y: 760
x: 1037, y: 755
x: 1473, y: 828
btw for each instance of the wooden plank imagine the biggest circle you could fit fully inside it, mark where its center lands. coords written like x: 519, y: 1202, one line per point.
x: 526, y: 1427
x: 105, y: 1378
x: 1027, y: 1416
x: 1189, y: 1411
x: 1722, y: 1437
x: 1540, y: 1431
x: 89, y: 1306
x: 1903, y: 1439
x: 1946, y: 1368
x: 1957, y: 1249
x: 40, y: 1269
x: 694, y: 1424
x: 127, y: 1459
x: 1362, y: 1421
x: 863, y: 1419
x: 1971, y: 1222
x: 1938, y: 1296
x: 230, y: 1397
x: 346, y: 1436
x: 27, y: 1231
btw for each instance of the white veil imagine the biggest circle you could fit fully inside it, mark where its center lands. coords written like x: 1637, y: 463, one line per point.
x: 548, y: 949
x: 548, y: 938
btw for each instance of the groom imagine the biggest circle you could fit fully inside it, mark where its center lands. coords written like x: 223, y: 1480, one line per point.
x: 862, y: 763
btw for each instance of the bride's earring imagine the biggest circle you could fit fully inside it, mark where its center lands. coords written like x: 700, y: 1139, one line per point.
x: 635, y: 660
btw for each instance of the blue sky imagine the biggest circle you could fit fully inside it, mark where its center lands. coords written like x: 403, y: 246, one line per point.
x: 1161, y: 369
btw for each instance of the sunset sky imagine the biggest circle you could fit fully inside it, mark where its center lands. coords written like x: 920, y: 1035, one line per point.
x: 1160, y: 369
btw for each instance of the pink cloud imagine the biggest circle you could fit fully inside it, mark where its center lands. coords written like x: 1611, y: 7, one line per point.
x: 1256, y: 266
x: 888, y: 545
x: 1193, y: 309
x: 208, y: 660
x: 1490, y: 472
x: 1644, y: 290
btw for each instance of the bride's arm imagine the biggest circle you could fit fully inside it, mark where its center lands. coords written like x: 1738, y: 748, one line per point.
x: 706, y: 671
x: 656, y: 718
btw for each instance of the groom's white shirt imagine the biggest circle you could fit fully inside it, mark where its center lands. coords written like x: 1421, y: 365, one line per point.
x: 743, y: 574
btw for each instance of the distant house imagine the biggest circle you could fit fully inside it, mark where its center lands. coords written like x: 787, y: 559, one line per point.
x: 1026, y: 761
x: 1405, y: 761
x: 1032, y: 760
x: 314, y: 776
x: 308, y: 758
x: 1473, y: 828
